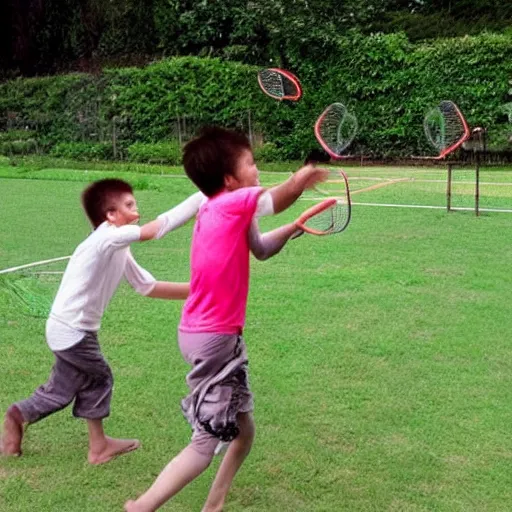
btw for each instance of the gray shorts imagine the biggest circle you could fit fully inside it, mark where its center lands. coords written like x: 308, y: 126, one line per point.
x: 219, y: 387
x: 80, y: 373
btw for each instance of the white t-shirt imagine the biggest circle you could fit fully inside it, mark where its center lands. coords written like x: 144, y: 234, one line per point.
x: 90, y: 280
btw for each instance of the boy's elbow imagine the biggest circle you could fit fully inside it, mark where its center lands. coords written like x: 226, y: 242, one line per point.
x: 151, y: 231
x: 260, y: 255
x: 145, y: 291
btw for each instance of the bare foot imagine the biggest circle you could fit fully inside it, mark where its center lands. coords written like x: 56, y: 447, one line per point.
x: 131, y: 506
x: 111, y: 449
x: 13, y: 432
x: 217, y: 508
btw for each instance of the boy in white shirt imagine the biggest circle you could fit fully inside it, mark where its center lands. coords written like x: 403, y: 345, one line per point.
x: 80, y: 372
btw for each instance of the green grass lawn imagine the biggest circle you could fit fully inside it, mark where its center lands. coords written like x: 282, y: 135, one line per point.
x: 380, y: 360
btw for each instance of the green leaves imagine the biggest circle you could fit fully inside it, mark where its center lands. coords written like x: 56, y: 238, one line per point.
x: 156, y: 153
x: 387, y: 81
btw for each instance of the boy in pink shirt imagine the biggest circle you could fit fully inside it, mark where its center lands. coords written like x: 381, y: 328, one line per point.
x: 219, y: 405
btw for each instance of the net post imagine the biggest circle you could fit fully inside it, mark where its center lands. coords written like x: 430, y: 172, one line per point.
x: 449, y: 189
x: 479, y: 133
x: 477, y: 185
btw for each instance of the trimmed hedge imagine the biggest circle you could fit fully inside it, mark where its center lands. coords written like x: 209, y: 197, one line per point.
x: 17, y: 135
x: 386, y: 80
x: 83, y: 150
x: 18, y: 147
x: 268, y: 152
x: 18, y: 142
x: 156, y: 153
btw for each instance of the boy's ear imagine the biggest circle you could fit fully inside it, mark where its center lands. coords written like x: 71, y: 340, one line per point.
x: 230, y: 182
x: 111, y: 216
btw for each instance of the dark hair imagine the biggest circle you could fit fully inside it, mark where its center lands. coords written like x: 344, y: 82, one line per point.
x: 213, y: 155
x: 317, y: 156
x: 100, y: 197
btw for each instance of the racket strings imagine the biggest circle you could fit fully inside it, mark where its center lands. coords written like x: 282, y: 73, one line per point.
x: 272, y: 82
x: 444, y: 126
x: 277, y: 84
x: 337, y: 128
x: 453, y: 126
x: 332, y: 220
x: 289, y: 88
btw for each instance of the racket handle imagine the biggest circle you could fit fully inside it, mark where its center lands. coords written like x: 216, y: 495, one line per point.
x: 297, y: 234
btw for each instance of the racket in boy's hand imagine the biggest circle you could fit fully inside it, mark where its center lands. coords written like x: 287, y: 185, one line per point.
x: 279, y: 84
x: 336, y: 185
x: 313, y: 175
x: 332, y: 215
x: 335, y: 130
x: 326, y: 218
x: 445, y: 128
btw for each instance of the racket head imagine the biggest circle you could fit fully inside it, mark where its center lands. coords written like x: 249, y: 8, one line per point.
x: 446, y: 128
x: 279, y: 84
x: 335, y: 129
x: 329, y: 217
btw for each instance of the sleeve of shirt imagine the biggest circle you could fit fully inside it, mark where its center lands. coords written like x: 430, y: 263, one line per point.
x: 243, y: 201
x: 120, y: 237
x: 265, y: 205
x: 180, y: 214
x: 140, y: 279
x: 256, y: 240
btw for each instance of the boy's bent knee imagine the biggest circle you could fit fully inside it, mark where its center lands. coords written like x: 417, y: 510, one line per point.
x: 93, y: 402
x: 204, y: 443
x: 247, y: 425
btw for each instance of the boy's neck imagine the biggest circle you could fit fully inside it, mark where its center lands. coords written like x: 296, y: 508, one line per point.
x: 219, y: 193
x: 117, y: 224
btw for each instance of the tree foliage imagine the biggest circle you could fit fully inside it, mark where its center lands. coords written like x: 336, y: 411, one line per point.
x: 47, y: 36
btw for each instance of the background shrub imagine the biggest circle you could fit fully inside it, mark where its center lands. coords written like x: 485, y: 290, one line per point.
x: 83, y: 150
x: 160, y: 152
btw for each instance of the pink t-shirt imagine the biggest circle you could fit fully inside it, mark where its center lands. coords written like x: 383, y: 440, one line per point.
x: 219, y: 262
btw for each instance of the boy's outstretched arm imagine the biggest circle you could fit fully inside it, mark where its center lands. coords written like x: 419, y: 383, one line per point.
x: 284, y: 195
x: 264, y: 246
x: 172, y: 219
x: 145, y: 284
x: 168, y: 290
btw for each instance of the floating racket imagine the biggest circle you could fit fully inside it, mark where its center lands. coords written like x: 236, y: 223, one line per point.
x: 279, y: 84
x: 335, y: 130
x: 445, y: 128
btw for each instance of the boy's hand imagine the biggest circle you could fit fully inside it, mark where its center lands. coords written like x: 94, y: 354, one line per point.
x: 309, y: 175
x: 284, y: 195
